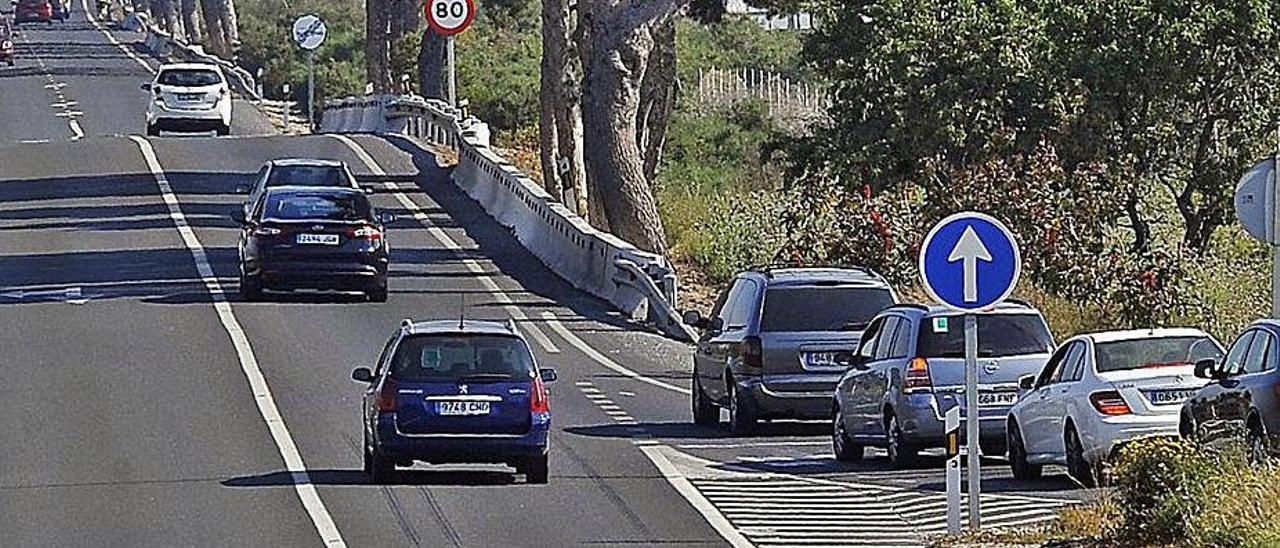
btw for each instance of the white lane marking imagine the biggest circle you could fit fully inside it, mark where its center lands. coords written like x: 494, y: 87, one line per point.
x: 248, y: 362
x: 443, y: 238
x: 111, y: 38
x: 69, y: 113
x: 627, y: 393
x: 691, y: 494
x: 752, y: 444
x: 34, y: 141
x: 592, y: 353
x: 76, y: 132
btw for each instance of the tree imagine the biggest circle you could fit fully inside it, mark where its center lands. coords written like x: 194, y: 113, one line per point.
x: 560, y: 118
x: 378, y: 44
x: 191, y: 20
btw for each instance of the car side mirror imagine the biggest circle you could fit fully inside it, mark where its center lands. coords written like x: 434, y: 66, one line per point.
x: 548, y: 375
x: 362, y: 374
x: 693, y: 318
x: 1205, y: 368
x: 146, y: 86
x: 1027, y: 382
x: 386, y: 218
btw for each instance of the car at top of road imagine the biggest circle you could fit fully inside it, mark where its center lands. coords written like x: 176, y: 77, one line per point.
x: 33, y: 11
x: 1241, y: 401
x: 769, y: 348
x: 456, y: 391
x: 909, y: 370
x: 1101, y: 390
x: 8, y: 53
x: 189, y: 97
x: 314, y: 238
x: 298, y: 172
x: 61, y: 9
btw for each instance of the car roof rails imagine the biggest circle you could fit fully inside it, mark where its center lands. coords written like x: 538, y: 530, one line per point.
x: 511, y: 324
x: 406, y: 324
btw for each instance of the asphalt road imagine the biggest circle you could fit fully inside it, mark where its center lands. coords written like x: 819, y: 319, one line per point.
x: 143, y: 405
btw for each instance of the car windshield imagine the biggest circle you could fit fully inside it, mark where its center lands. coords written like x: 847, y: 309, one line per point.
x: 308, y: 176
x: 189, y: 77
x: 998, y: 335
x: 831, y: 308
x: 474, y: 358
x: 345, y: 206
x: 1154, y: 352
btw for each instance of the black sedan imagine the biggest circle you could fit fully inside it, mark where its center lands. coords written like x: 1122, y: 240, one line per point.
x: 314, y: 238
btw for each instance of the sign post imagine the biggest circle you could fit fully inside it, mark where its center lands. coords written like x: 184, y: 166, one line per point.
x: 953, y: 470
x: 969, y: 262
x: 309, y: 32
x: 449, y: 18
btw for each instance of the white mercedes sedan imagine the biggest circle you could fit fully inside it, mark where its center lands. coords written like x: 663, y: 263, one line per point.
x: 1100, y: 390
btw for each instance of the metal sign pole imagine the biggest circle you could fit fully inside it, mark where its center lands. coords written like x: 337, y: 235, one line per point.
x: 311, y: 89
x: 971, y: 419
x: 953, y: 470
x: 453, y: 73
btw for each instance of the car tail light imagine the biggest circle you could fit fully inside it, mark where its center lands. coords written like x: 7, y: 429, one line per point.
x: 365, y: 233
x: 752, y: 352
x: 387, y: 395
x: 540, y: 400
x: 917, y: 377
x: 267, y: 231
x: 1109, y: 402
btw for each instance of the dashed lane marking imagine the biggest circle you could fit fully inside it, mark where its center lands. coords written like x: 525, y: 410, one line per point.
x: 443, y: 238
x: 267, y: 408
x: 77, y: 132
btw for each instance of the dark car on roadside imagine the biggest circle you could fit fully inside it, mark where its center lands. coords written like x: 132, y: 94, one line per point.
x: 1241, y: 403
x: 456, y: 391
x: 910, y: 369
x: 33, y: 11
x: 61, y: 9
x: 314, y: 238
x: 771, y: 347
x: 8, y: 53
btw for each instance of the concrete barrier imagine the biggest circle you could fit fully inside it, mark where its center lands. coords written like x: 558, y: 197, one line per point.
x: 638, y: 283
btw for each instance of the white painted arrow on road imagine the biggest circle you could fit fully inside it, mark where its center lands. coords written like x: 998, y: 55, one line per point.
x: 970, y: 249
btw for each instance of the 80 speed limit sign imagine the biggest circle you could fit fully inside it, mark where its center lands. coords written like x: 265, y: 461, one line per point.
x: 449, y: 17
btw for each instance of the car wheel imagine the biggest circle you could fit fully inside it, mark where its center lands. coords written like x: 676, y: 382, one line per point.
x: 742, y: 414
x: 843, y: 447
x: 1077, y: 467
x: 379, y: 468
x: 11, y: 62
x: 536, y: 470
x: 224, y: 130
x: 1022, y: 469
x: 1257, y: 445
x: 901, y: 453
x: 377, y: 294
x: 250, y: 288
x: 705, y: 413
x: 152, y: 131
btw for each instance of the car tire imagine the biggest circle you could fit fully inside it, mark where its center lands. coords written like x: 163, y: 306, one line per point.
x: 1077, y: 467
x: 223, y: 130
x: 705, y: 413
x: 381, y: 469
x: 11, y: 62
x: 844, y: 447
x: 742, y: 412
x: 250, y: 288
x: 377, y: 294
x: 536, y: 470
x: 152, y: 131
x: 1256, y: 444
x: 1022, y: 470
x: 902, y: 454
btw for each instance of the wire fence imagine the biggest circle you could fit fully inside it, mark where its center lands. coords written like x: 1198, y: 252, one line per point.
x: 789, y: 102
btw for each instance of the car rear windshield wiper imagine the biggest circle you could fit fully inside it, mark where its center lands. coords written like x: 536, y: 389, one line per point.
x: 854, y: 326
x: 486, y: 377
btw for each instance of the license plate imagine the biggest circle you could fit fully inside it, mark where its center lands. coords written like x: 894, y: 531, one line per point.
x: 997, y: 398
x: 827, y: 360
x: 321, y: 239
x: 1169, y: 397
x: 462, y: 408
x: 190, y: 96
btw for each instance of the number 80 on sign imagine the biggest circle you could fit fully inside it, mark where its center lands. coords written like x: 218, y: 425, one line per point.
x: 450, y: 17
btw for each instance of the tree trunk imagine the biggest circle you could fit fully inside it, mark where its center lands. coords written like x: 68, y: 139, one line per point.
x: 214, y: 41
x: 551, y: 82
x: 165, y: 14
x: 431, y: 58
x: 191, y: 20
x: 378, y: 44
x: 621, y: 38
x: 230, y: 28
x: 657, y: 97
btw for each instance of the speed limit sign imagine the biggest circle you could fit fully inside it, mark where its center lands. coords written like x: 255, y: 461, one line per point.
x: 450, y: 17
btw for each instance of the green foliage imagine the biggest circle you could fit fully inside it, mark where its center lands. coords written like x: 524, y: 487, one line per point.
x: 733, y: 44
x: 266, y: 43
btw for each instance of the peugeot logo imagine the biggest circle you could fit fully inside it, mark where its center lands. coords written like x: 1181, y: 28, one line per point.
x: 462, y: 389
x: 991, y: 367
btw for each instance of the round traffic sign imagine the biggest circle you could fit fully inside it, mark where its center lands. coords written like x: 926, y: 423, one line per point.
x: 309, y: 32
x: 449, y: 17
x: 970, y: 261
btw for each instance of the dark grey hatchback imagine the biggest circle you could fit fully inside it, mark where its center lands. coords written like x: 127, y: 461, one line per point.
x: 775, y: 343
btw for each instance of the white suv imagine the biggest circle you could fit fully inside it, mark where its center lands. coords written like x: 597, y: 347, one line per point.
x: 189, y: 97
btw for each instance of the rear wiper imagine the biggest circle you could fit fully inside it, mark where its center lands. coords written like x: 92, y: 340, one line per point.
x: 485, y: 377
x: 854, y: 326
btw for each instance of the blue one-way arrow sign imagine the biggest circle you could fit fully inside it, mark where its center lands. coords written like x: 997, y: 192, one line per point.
x: 970, y: 261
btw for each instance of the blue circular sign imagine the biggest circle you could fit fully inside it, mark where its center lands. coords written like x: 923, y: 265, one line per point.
x: 970, y: 262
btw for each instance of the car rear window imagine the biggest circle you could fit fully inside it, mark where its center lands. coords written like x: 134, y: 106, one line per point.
x: 822, y: 308
x: 998, y: 335
x: 189, y: 77
x: 472, y: 358
x: 308, y: 176
x: 296, y: 206
x: 1155, y: 352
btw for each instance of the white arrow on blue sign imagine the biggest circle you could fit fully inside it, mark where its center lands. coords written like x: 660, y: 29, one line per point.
x: 970, y: 261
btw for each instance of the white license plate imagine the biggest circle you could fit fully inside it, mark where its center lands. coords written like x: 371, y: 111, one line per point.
x: 997, y: 398
x: 321, y: 239
x: 1169, y: 397
x: 190, y: 96
x: 462, y: 408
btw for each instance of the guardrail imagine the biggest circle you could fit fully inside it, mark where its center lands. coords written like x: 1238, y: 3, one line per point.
x: 636, y: 282
x: 162, y: 44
